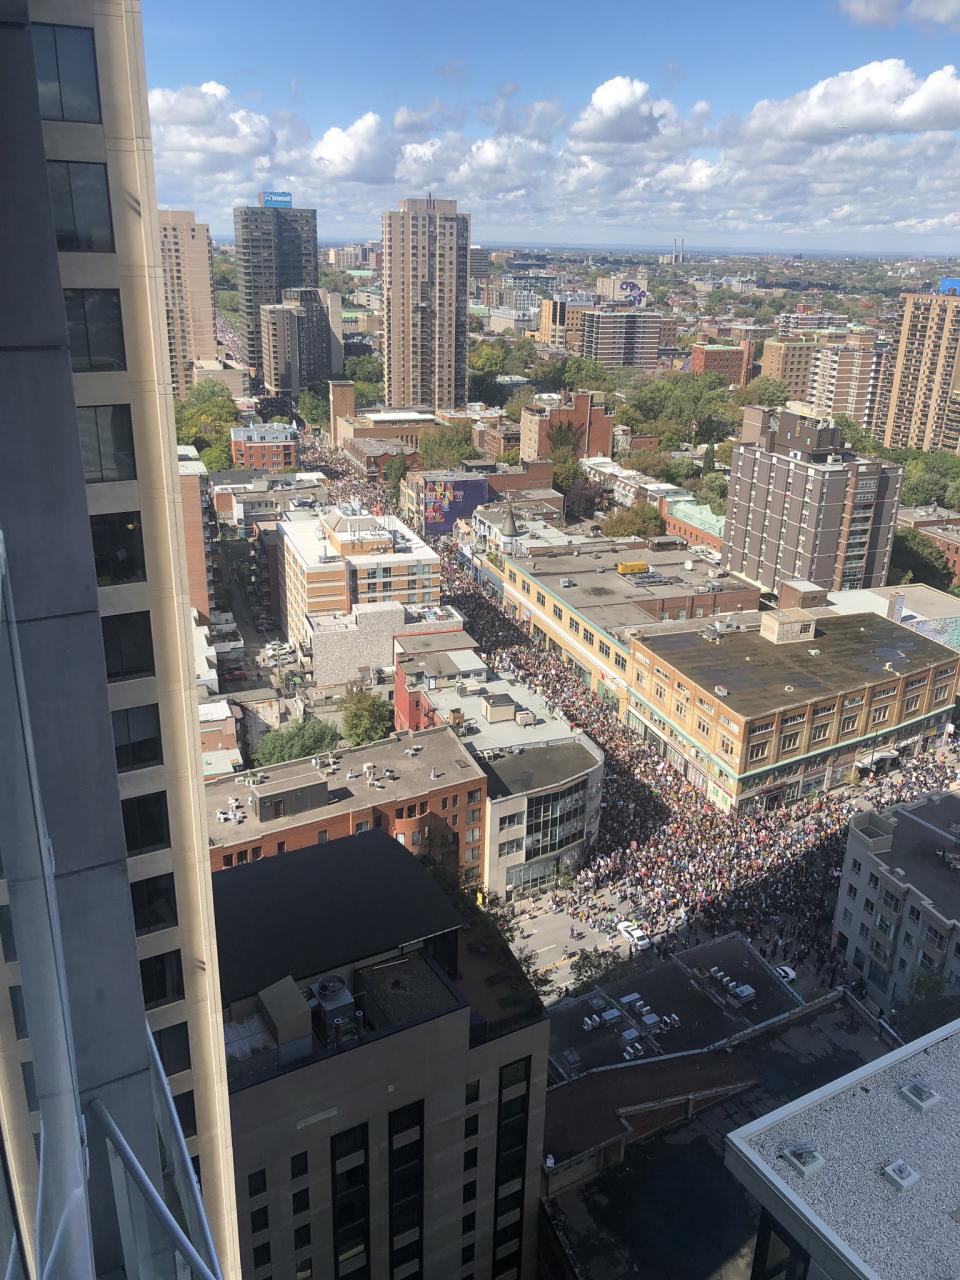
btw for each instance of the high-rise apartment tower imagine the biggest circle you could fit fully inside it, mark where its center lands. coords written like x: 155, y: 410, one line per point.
x: 187, y: 260
x: 104, y: 618
x: 426, y: 261
x: 923, y: 372
x: 276, y: 250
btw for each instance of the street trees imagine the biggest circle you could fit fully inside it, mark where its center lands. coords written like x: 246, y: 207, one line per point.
x: 762, y: 390
x: 916, y: 558
x: 639, y: 521
x: 304, y: 738
x: 365, y: 718
x: 205, y: 415
x: 443, y: 448
x: 394, y: 469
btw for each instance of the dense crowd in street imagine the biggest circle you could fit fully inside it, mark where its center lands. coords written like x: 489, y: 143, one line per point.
x: 665, y: 857
x: 668, y: 859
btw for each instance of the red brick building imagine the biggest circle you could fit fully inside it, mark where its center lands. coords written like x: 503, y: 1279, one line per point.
x: 272, y: 447
x: 582, y: 410
x: 734, y: 364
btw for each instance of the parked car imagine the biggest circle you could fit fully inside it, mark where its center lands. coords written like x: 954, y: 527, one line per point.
x: 235, y: 677
x: 787, y: 973
x: 634, y: 934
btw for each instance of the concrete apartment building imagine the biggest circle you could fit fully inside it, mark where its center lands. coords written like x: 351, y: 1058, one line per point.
x: 584, y: 603
x: 854, y: 1179
x: 186, y: 256
x: 897, y: 919
x: 301, y: 341
x: 845, y: 377
x: 276, y: 249
x: 790, y: 360
x: 561, y: 322
x: 629, y: 338
x: 733, y: 363
x: 923, y: 372
x: 800, y: 505
x: 271, y: 447
x: 582, y: 410
x: 426, y: 259
x: 423, y: 789
x: 758, y: 715
x: 609, y: 288
x: 90, y: 88
x: 544, y: 778
x: 333, y: 558
x: 76, y: 1062
x: 387, y: 1100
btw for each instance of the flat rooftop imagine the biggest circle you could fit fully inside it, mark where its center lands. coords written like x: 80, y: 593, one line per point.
x: 675, y: 1187
x: 860, y: 1124
x: 434, y: 641
x: 853, y: 650
x: 538, y: 767
x: 308, y: 535
x: 501, y: 735
x: 613, y: 601
x: 437, y: 750
x: 916, y: 832
x: 457, y: 661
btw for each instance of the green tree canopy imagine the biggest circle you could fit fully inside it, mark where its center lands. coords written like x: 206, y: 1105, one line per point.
x: 205, y: 415
x: 566, y: 471
x: 312, y: 409
x: 764, y: 391
x: 368, y: 393
x: 712, y: 490
x: 443, y: 448
x: 364, y: 368
x: 723, y: 453
x: 488, y: 357
x: 365, y: 718
x: 510, y: 457
x: 563, y: 438
x: 394, y: 469
x: 917, y: 558
x: 518, y: 400
x: 922, y: 486
x: 639, y: 521
x: 709, y: 462
x: 475, y: 324
x: 951, y: 498
x: 217, y: 457
x: 304, y: 738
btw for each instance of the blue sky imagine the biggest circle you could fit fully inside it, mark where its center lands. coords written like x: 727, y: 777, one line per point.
x: 833, y: 127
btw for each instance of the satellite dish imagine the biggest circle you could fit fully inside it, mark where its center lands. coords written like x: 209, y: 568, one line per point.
x: 688, y: 565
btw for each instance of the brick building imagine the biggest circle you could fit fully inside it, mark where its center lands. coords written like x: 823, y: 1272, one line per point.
x: 733, y: 363
x: 271, y: 447
x: 582, y: 410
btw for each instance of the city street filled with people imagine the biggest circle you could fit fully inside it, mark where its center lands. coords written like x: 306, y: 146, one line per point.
x: 665, y: 858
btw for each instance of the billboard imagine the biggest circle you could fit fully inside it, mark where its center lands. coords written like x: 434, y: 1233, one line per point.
x: 277, y: 200
x: 447, y: 501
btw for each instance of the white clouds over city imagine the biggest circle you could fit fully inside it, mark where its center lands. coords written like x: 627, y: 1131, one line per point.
x: 871, y: 151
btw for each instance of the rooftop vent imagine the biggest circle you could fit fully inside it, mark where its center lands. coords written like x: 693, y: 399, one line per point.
x: 788, y: 688
x: 803, y: 1158
x: 814, y: 653
x: 919, y: 1093
x: 720, y: 690
x: 900, y: 1175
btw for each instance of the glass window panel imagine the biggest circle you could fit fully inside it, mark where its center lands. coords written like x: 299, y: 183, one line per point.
x: 162, y: 979
x: 146, y: 825
x: 136, y: 735
x: 173, y: 1046
x: 154, y: 903
x: 81, y: 206
x: 104, y: 329
x: 118, y: 548
x: 128, y: 645
x: 77, y: 73
x: 48, y: 79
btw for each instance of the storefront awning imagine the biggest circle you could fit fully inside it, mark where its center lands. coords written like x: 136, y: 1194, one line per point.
x: 888, y: 753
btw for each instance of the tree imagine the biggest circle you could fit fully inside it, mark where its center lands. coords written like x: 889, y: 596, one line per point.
x: 566, y: 472
x: 764, y: 391
x: 217, y: 457
x: 723, y: 453
x: 282, y: 419
x: 709, y: 463
x: 590, y: 966
x: 518, y: 401
x: 510, y: 457
x: 542, y: 983
x: 582, y: 497
x: 394, y: 469
x: 305, y: 738
x: 563, y: 438
x: 922, y: 487
x: 639, y: 521
x: 916, y: 558
x: 712, y: 491
x: 368, y: 393
x: 206, y: 414
x: 444, y: 448
x: 312, y: 409
x: 484, y: 388
x: 364, y: 369
x: 951, y: 498
x: 488, y: 357
x: 476, y: 324
x: 365, y: 718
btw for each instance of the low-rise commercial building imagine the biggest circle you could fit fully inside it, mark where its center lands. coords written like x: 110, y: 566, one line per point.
x: 926, y: 517
x: 897, y: 919
x: 335, y: 557
x: 271, y: 447
x: 800, y: 703
x: 431, y: 502
x: 582, y: 411
x: 585, y: 603
x: 544, y: 778
x: 387, y: 1071
x: 695, y: 522
x: 947, y: 538
x: 370, y: 457
x: 855, y: 1180
x: 424, y: 789
x: 241, y: 498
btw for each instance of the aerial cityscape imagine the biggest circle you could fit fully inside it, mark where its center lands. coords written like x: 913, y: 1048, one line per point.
x: 480, y: 798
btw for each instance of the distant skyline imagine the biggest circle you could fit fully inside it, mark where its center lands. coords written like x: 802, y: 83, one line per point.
x: 827, y: 125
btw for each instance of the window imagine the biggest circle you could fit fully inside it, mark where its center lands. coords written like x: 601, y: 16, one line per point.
x: 726, y: 746
x: 106, y: 442
x: 587, y: 636
x: 303, y: 1269
x: 228, y: 859
x: 852, y: 892
x: 847, y: 723
x: 154, y: 903
x: 880, y: 714
x: 299, y: 1165
x: 146, y: 825
x: 473, y: 797
x: 702, y: 726
x: 873, y: 880
x: 915, y: 914
x: 261, y: 1254
x: 466, y: 1253
x: 350, y: 1200
x: 857, y: 866
x: 471, y: 1093
x: 912, y: 703
x: 574, y: 626
x: 864, y: 931
x: 301, y: 1236
x: 525, y: 587
x: 128, y: 645
x: 259, y: 1220
x: 66, y: 73
x: 95, y: 330
x: 469, y: 1191
x: 468, y: 1223
x: 847, y: 915
x: 758, y: 750
x: 620, y: 662
x: 19, y: 1013
x: 789, y: 742
x: 541, y: 599
x: 471, y: 1126
x: 136, y: 737
x: 869, y: 906
x: 162, y: 979
x: 81, y: 206
x: 558, y: 612
x: 117, y: 548
x: 257, y: 1182
x: 300, y: 1200
x: 173, y: 1046
x: 604, y: 649
x: 819, y: 732
x: 470, y: 1159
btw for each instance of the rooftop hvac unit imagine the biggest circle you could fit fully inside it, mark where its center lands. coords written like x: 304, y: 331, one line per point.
x: 720, y: 690
x: 803, y: 1158
x: 333, y: 1001
x: 919, y: 1093
x: 901, y: 1175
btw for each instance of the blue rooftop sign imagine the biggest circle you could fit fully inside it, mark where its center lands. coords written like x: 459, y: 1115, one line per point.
x: 950, y: 285
x: 278, y: 200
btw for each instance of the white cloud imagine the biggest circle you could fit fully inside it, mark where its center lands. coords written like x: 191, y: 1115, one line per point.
x: 363, y: 152
x: 942, y: 11
x: 413, y: 122
x: 621, y: 110
x: 881, y: 97
x: 877, y: 13
x: 887, y: 13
